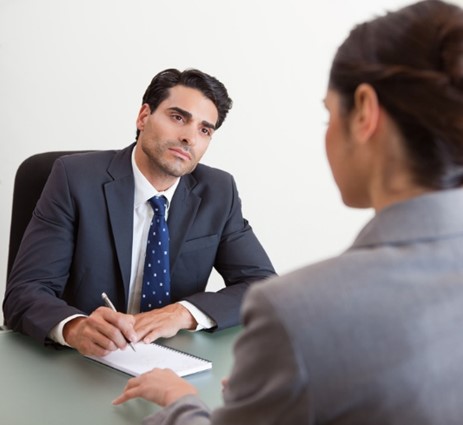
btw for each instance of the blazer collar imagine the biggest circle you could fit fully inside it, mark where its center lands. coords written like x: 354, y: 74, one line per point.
x: 430, y: 216
x: 120, y: 166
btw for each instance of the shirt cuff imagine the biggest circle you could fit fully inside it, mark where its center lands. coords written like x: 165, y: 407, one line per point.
x: 203, y: 320
x: 56, y: 334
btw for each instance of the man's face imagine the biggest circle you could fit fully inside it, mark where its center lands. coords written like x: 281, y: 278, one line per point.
x: 176, y: 135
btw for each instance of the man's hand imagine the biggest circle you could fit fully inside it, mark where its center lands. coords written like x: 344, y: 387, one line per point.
x: 163, y: 322
x: 101, y: 332
x: 161, y: 386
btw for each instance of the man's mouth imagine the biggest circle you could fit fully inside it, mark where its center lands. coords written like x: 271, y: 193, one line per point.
x: 181, y: 153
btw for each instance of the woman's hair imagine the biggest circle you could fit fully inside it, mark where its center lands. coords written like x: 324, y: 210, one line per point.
x: 413, y: 58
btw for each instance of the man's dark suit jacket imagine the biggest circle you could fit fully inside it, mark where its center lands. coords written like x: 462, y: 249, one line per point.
x: 79, y: 244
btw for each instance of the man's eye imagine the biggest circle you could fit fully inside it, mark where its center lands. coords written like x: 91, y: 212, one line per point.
x: 177, y: 117
x: 206, y: 131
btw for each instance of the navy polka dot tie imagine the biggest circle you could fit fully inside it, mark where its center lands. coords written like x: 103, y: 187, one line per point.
x: 156, y: 274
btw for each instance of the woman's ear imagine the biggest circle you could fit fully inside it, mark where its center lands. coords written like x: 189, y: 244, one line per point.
x: 365, y: 117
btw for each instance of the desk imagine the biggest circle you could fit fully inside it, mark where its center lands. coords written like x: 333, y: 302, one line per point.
x: 48, y: 386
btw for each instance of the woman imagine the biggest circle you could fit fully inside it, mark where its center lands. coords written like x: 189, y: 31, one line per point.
x: 373, y: 336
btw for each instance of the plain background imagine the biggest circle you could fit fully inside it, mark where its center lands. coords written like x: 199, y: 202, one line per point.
x: 72, y: 74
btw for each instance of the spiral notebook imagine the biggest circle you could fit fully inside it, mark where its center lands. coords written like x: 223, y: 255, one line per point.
x: 148, y: 356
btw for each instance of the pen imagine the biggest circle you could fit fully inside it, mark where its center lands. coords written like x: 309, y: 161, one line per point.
x: 109, y: 304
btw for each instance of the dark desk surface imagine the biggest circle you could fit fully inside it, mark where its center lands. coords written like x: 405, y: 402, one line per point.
x: 48, y: 386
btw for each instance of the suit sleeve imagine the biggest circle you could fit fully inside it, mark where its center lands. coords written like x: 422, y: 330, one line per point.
x: 240, y: 260
x: 268, y: 383
x: 41, y: 268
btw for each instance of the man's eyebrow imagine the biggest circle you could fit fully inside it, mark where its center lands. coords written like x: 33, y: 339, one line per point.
x: 188, y: 116
x: 208, y: 125
x: 182, y: 112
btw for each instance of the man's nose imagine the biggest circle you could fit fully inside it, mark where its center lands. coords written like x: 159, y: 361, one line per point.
x: 188, y: 135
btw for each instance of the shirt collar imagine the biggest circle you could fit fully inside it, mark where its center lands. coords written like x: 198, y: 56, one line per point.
x: 144, y: 190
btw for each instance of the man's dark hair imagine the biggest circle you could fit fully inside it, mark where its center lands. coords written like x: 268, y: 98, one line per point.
x: 209, y: 86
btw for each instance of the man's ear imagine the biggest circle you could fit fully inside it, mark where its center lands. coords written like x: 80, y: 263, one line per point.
x: 365, y: 118
x: 143, y: 115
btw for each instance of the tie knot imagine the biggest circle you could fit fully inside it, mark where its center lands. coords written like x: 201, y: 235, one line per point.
x: 159, y: 205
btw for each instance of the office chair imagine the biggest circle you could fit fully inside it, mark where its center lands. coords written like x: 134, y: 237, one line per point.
x: 28, y: 184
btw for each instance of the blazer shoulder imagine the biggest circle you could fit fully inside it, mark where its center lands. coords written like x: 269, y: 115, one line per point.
x: 203, y: 171
x: 90, y: 157
x: 92, y: 163
x: 205, y: 176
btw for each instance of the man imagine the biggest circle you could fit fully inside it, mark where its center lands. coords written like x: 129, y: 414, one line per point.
x: 88, y: 233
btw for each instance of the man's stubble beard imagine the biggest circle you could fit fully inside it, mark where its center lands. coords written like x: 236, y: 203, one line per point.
x: 168, y: 168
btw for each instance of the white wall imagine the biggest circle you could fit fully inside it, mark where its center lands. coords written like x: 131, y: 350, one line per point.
x: 72, y: 74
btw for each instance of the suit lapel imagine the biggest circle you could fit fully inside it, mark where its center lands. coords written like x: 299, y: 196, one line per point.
x: 182, y: 213
x: 119, y: 200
